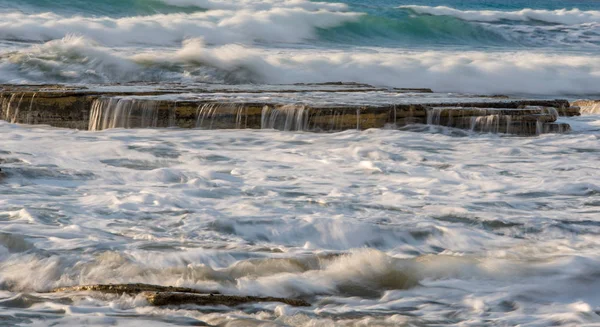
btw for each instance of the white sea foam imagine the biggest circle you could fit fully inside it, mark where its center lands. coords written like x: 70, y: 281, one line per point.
x: 562, y: 16
x: 291, y: 23
x: 77, y: 59
x: 288, y: 214
x: 258, y: 4
x: 465, y: 71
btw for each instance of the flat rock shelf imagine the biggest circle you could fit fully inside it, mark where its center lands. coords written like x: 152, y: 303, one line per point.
x: 305, y: 107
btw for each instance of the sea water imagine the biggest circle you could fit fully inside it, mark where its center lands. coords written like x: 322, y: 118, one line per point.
x: 422, y: 226
x: 534, y: 47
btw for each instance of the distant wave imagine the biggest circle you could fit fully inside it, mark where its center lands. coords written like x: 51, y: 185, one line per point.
x: 313, y: 23
x: 257, y: 4
x: 562, y: 16
x: 286, y: 25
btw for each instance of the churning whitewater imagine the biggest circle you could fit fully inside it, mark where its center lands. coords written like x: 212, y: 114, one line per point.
x: 381, y: 227
x: 386, y: 218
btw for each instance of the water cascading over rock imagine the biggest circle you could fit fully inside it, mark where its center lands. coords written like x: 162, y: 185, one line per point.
x: 588, y: 107
x: 285, y: 118
x: 222, y: 115
x: 529, y: 120
x: 97, y: 110
x: 123, y: 113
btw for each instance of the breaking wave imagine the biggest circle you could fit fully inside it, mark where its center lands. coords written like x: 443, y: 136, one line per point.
x: 562, y: 16
x: 280, y: 41
x: 168, y: 22
x: 77, y: 59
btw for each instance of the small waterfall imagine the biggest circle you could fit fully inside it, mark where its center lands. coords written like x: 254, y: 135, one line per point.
x: 552, y: 112
x: 593, y: 109
x: 539, y: 127
x: 336, y: 121
x: 286, y: 118
x: 3, y: 101
x: 221, y: 115
x: 206, y: 113
x: 7, y: 111
x: 241, y: 117
x: 588, y: 107
x: 15, y: 115
x: 488, y: 124
x: 28, y: 119
x: 434, y: 115
x: 123, y: 113
x: 523, y: 121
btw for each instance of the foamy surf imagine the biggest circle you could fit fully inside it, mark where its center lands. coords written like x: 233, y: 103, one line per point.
x: 76, y: 59
x: 407, y: 225
x: 436, y: 229
x: 562, y: 16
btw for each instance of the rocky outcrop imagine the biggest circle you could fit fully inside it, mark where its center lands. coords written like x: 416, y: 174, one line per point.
x: 169, y: 295
x: 130, y: 289
x: 163, y: 298
x: 589, y: 107
x: 99, y: 109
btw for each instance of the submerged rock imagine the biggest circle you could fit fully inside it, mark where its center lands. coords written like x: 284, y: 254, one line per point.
x: 168, y: 295
x: 167, y: 298
x: 130, y: 289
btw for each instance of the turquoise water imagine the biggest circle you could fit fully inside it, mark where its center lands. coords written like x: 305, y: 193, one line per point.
x: 384, y: 8
x: 383, y: 23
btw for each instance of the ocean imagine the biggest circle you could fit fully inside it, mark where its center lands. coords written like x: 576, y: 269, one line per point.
x: 502, y: 47
x: 414, y: 226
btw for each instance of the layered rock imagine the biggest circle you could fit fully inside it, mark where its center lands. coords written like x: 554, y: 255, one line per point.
x: 216, y: 109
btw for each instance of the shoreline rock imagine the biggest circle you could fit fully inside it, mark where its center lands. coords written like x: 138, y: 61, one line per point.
x: 87, y: 109
x: 168, y: 295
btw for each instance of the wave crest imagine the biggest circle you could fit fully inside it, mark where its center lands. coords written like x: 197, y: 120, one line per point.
x: 243, y: 25
x: 77, y: 59
x: 562, y: 16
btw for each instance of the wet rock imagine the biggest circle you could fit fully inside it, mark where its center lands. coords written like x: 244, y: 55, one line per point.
x: 413, y: 90
x: 130, y: 289
x: 167, y: 298
x: 83, y: 108
x: 589, y: 107
x: 168, y: 295
x: 556, y: 128
x: 528, y: 120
